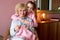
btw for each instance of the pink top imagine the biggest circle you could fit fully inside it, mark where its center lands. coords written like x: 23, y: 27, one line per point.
x: 30, y: 15
x: 25, y: 33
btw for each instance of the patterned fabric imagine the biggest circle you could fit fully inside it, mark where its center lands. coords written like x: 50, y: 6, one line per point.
x: 18, y: 22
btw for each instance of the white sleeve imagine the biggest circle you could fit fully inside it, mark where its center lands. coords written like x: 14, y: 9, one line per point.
x: 13, y: 25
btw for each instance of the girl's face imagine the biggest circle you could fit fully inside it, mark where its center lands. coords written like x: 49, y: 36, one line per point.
x: 22, y: 12
x: 29, y: 7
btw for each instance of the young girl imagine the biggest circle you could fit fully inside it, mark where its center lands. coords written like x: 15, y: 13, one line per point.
x: 31, y: 6
x: 22, y: 28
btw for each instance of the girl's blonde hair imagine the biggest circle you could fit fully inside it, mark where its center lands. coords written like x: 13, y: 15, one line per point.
x: 19, y: 5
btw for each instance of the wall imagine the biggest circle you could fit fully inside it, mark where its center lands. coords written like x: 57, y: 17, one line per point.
x: 6, y: 10
x: 55, y: 4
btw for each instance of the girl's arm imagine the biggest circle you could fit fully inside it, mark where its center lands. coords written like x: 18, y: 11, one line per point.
x: 15, y: 17
x: 34, y: 20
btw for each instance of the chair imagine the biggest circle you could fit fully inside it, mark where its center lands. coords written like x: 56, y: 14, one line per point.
x: 6, y: 34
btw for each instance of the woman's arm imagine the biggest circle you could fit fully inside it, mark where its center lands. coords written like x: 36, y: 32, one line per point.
x: 12, y: 28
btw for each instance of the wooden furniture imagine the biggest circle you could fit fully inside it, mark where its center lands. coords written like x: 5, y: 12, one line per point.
x: 1, y: 37
x: 49, y: 30
x: 6, y: 34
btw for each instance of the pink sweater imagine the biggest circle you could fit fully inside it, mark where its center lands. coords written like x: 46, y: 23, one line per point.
x: 32, y: 16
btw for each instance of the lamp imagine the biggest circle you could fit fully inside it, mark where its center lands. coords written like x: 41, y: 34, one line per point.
x: 43, y: 17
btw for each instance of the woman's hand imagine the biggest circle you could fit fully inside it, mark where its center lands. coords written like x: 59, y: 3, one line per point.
x: 17, y: 28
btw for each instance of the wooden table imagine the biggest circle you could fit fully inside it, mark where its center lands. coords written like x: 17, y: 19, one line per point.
x: 49, y: 30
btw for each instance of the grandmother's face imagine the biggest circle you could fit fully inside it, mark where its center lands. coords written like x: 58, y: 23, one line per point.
x: 22, y: 12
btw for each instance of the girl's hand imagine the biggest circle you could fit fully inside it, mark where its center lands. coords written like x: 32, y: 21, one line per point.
x: 26, y: 22
x: 24, y: 26
x: 17, y: 28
